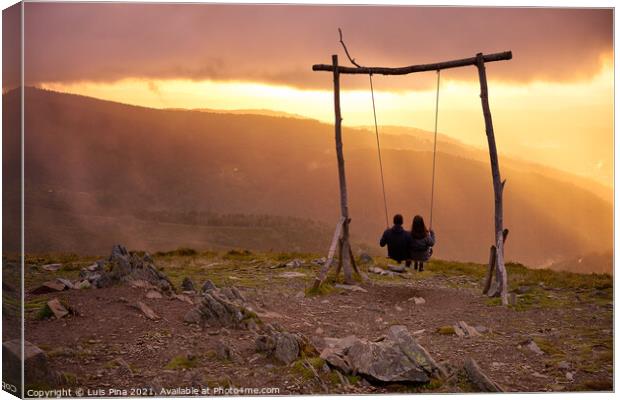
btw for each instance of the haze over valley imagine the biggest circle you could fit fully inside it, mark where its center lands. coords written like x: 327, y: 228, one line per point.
x: 99, y: 172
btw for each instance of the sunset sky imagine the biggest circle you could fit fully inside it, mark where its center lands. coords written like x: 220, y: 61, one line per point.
x: 552, y: 103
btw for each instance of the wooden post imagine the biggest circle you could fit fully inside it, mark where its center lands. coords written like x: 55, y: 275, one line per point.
x: 344, y: 258
x: 498, y: 185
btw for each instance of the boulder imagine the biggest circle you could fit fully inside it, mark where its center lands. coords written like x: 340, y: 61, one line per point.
x: 395, y: 358
x: 222, y: 308
x: 37, y: 371
x: 283, y: 346
x: 123, y: 266
x: 187, y: 285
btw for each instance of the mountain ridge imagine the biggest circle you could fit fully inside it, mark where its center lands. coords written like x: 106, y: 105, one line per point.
x: 129, y: 158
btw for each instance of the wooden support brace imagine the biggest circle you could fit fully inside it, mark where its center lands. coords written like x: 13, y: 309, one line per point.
x: 492, y: 259
x: 330, y: 255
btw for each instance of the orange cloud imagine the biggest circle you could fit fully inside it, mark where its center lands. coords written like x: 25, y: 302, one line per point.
x: 279, y: 43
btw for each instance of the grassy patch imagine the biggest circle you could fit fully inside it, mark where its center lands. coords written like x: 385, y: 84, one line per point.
x: 236, y: 255
x: 548, y: 347
x: 595, y: 385
x: 452, y: 268
x: 519, y: 275
x: 324, y: 289
x: 182, y: 362
x: 446, y: 330
x: 44, y: 313
x: 180, y: 252
x: 69, y: 378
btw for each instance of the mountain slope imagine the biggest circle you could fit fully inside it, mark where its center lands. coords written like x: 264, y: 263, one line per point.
x: 92, y: 157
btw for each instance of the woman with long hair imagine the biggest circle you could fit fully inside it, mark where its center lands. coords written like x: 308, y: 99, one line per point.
x: 422, y: 244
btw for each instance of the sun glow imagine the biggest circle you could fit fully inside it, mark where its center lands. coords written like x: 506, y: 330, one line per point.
x: 567, y: 125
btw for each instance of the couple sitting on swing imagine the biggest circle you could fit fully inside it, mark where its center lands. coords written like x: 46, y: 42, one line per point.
x: 416, y: 245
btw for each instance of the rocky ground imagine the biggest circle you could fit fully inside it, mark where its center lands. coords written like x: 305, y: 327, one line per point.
x: 137, y: 337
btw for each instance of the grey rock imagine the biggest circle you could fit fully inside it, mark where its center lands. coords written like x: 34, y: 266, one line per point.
x: 123, y: 266
x: 319, y: 261
x: 51, y: 267
x: 193, y: 316
x: 418, y: 301
x: 522, y: 289
x: 187, y: 284
x: 481, y: 329
x: 222, y: 308
x: 296, y: 263
x: 353, y: 288
x: 57, y: 308
x: 265, y: 343
x: 396, y: 358
x: 50, y: 287
x: 287, y: 348
x: 396, y: 268
x: 563, y: 365
x: 224, y: 351
x: 380, y: 271
x: 153, y: 294
x: 147, y: 311
x: 68, y: 284
x: 84, y: 284
x: 207, y: 286
x: 283, y: 346
x: 533, y: 347
x: 365, y: 258
x: 292, y: 274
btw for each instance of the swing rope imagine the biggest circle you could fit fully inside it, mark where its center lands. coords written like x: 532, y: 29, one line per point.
x: 374, y: 111
x: 434, y: 148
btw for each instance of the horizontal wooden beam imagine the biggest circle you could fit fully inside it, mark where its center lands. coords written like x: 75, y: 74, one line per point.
x: 506, y: 55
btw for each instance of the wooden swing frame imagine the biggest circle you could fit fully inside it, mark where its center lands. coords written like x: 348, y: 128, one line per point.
x: 341, y: 241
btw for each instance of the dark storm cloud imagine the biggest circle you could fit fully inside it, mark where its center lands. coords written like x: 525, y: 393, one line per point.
x: 278, y: 44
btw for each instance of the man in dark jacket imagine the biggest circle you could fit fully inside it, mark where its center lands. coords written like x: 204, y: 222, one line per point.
x: 398, y: 241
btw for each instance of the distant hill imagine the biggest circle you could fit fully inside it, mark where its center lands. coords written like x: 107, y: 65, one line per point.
x: 108, y: 163
x: 251, y: 111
